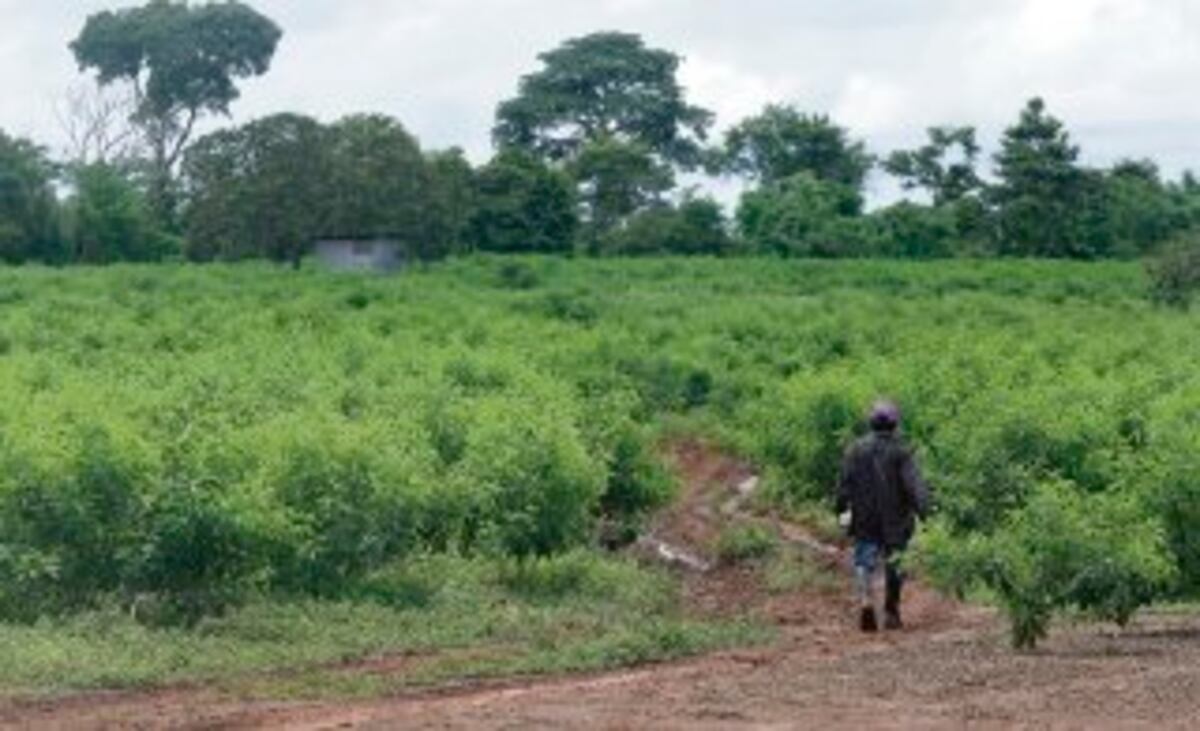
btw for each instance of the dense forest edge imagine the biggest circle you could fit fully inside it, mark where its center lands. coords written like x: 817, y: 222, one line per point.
x: 588, y: 154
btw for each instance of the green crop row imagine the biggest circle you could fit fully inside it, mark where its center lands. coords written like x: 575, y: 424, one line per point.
x: 201, y: 434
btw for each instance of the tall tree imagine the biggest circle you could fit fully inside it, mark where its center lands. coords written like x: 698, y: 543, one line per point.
x: 257, y: 190
x: 522, y: 204
x: 617, y: 179
x: 781, y: 142
x: 378, y: 181
x: 181, y: 62
x: 107, y: 219
x: 216, y: 209
x: 604, y: 86
x: 944, y: 167
x: 1043, y: 198
x: 28, y: 221
x: 451, y: 195
x: 1141, y: 210
x: 804, y: 216
x: 696, y: 227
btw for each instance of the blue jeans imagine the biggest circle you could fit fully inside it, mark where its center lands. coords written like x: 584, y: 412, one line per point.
x: 867, y: 555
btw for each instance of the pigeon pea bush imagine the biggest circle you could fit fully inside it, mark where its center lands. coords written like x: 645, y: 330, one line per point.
x: 177, y: 439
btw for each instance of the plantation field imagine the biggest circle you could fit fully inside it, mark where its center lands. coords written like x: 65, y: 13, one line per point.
x: 215, y: 470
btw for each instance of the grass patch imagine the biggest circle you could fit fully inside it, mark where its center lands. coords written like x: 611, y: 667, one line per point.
x: 451, y: 618
x: 746, y: 542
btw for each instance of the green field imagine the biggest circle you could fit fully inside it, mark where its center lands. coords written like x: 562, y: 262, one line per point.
x: 197, y: 457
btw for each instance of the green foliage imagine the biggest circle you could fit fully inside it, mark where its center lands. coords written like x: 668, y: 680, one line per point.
x: 1141, y: 213
x: 1101, y: 554
x: 28, y: 224
x: 1044, y: 198
x: 257, y: 190
x: 522, y: 205
x: 450, y: 203
x: 517, y: 275
x: 271, y: 187
x: 296, y: 433
x: 944, y: 167
x: 377, y: 181
x: 1175, y: 273
x: 183, y: 61
x: 746, y: 542
x: 781, y: 143
x: 1175, y: 496
x: 351, y: 509
x: 616, y: 179
x: 804, y: 216
x: 804, y: 434
x: 578, y: 612
x: 603, y: 86
x: 696, y: 227
x: 911, y: 231
x: 537, y: 485
x: 108, y: 220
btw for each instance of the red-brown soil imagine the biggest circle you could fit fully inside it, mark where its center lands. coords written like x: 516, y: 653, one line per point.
x: 950, y: 668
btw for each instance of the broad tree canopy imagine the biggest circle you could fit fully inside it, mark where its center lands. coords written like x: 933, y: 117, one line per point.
x: 27, y: 223
x: 781, y: 142
x: 181, y: 61
x: 604, y: 86
x: 945, y: 166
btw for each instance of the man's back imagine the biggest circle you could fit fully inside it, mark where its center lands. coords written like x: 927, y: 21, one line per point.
x: 882, y: 488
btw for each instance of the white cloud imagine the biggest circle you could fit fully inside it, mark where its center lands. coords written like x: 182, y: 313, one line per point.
x: 730, y: 92
x: 871, y: 105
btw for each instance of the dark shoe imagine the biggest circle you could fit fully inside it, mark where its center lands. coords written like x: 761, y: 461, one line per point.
x: 866, y: 620
x: 891, y: 621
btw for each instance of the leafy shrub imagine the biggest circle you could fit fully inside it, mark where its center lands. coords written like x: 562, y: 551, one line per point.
x: 803, y: 433
x: 537, y: 486
x: 571, y: 307
x: 1175, y: 273
x: 69, y: 528
x: 1100, y: 554
x: 696, y: 227
x: 637, y: 480
x: 908, y: 230
x: 182, y: 438
x: 746, y: 542
x: 665, y: 384
x: 523, y: 205
x: 350, y: 509
x: 517, y: 275
x: 198, y: 554
x: 804, y: 216
x: 1172, y: 483
x: 109, y: 220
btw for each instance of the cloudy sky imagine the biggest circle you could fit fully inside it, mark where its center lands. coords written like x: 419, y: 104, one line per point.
x: 1122, y: 73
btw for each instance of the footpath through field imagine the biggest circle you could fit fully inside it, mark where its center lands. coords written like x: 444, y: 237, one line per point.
x: 951, y: 668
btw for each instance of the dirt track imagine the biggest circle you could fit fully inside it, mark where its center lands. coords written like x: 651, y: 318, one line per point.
x: 952, y: 668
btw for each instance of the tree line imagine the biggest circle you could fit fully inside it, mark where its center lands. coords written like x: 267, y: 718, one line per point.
x: 587, y: 158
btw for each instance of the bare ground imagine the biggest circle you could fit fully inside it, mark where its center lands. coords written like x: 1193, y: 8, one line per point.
x: 950, y: 668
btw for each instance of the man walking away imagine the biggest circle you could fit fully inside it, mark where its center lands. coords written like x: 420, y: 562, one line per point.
x: 882, y: 489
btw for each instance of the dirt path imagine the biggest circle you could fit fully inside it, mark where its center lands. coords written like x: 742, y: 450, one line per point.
x: 951, y: 668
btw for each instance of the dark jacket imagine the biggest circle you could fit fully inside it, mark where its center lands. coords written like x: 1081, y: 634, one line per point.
x: 882, y: 487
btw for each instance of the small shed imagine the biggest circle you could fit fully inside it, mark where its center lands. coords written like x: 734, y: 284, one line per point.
x: 366, y: 254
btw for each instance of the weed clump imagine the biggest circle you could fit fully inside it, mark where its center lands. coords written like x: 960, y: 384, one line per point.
x: 1175, y: 273
x: 746, y: 542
